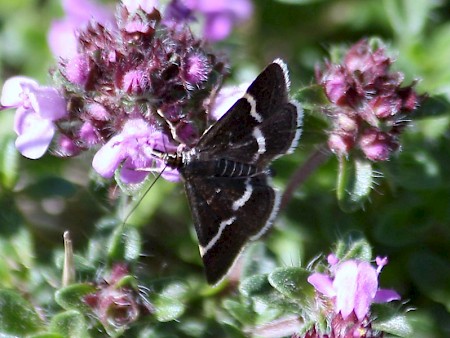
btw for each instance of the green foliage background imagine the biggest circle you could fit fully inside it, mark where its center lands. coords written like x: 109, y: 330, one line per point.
x: 407, y: 217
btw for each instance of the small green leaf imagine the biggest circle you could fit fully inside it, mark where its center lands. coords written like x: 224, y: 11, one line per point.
x: 17, y: 315
x: 257, y: 284
x: 292, y: 283
x: 167, y: 309
x: 395, y: 324
x: 70, y: 324
x: 168, y: 298
x: 71, y: 297
x: 257, y: 260
x: 242, y: 312
x: 9, y: 162
x: 125, y: 244
x: 258, y: 289
x: 355, y: 181
x: 359, y: 249
x: 433, y: 106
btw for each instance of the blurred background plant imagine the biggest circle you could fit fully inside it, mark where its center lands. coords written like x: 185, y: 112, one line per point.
x: 401, y: 207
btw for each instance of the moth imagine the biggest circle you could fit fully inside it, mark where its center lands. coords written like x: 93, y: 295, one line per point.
x: 227, y: 176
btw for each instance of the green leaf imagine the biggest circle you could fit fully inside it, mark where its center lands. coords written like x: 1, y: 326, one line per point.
x: 269, y: 301
x: 433, y: 106
x: 17, y: 315
x: 70, y: 324
x: 167, y: 309
x: 257, y: 260
x: 355, y: 181
x: 254, y: 285
x: 292, y: 283
x: 125, y: 244
x: 9, y: 162
x: 168, y: 298
x: 46, y: 335
x: 386, y: 321
x: 242, y: 312
x: 71, y: 297
x: 359, y: 249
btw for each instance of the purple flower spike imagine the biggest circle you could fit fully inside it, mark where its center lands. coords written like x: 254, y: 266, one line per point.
x: 37, y: 109
x: 368, y: 104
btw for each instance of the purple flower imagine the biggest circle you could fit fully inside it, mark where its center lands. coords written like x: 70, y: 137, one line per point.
x: 62, y: 34
x: 353, y: 287
x: 225, y: 99
x: 146, y: 5
x: 37, y: 109
x: 220, y: 15
x: 368, y: 103
x: 117, y: 302
x: 133, y: 149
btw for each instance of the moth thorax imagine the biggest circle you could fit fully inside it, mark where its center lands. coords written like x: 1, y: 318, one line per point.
x: 229, y: 168
x: 173, y: 160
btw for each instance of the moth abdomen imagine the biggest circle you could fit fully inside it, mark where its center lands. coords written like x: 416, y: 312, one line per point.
x: 230, y: 168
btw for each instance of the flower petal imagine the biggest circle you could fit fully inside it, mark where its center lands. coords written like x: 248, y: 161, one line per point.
x: 48, y: 103
x: 35, y: 137
x: 13, y: 88
x: 386, y: 295
x: 217, y: 26
x: 322, y: 283
x: 225, y: 99
x: 109, y: 157
x: 367, y: 285
x: 345, y: 284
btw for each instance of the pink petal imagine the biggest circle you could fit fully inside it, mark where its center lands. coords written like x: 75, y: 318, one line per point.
x: 36, y: 136
x: 48, y: 103
x: 322, y: 283
x: 61, y: 38
x: 217, y: 27
x: 109, y: 157
x: 13, y: 88
x: 146, y: 5
x: 225, y: 99
x: 386, y: 295
x: 130, y: 175
x: 345, y: 284
x: 367, y: 285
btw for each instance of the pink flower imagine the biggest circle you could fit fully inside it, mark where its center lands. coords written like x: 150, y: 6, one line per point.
x: 220, y: 15
x: 146, y: 5
x: 353, y: 286
x: 364, y: 91
x: 37, y: 108
x: 132, y: 148
x: 62, y: 34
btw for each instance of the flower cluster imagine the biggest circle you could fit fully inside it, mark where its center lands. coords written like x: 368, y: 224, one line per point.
x: 345, y: 294
x: 127, y: 86
x: 137, y: 88
x: 115, y: 304
x: 368, y: 103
